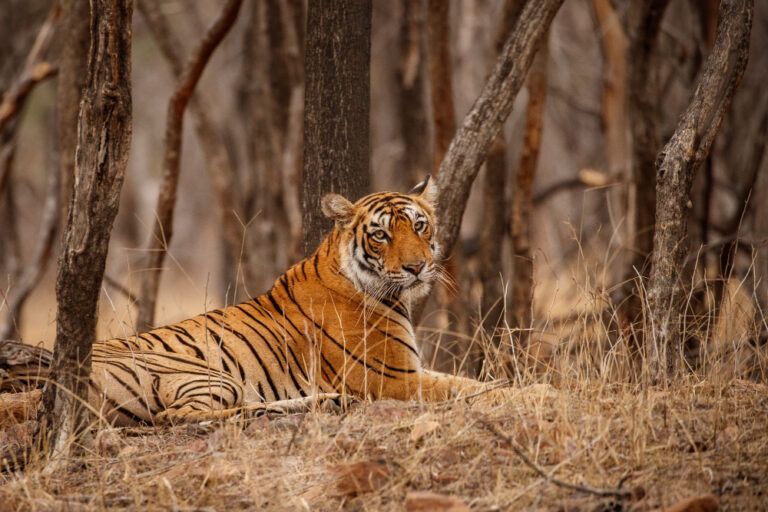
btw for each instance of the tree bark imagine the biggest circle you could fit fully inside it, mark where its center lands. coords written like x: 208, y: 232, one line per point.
x: 210, y: 139
x: 336, y: 109
x: 676, y: 165
x: 486, y: 117
x: 104, y: 137
x: 522, y: 276
x: 166, y: 201
x: 644, y: 21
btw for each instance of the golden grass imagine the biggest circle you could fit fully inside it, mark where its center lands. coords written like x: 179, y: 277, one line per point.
x: 694, y: 438
x: 584, y: 413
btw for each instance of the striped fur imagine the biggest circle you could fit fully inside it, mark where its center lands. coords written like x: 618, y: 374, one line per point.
x: 336, y: 323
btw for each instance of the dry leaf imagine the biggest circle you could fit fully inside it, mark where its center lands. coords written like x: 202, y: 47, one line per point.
x: 429, y: 501
x: 422, y: 428
x: 700, y: 503
x: 18, y: 407
x: 360, y: 477
x: 108, y: 443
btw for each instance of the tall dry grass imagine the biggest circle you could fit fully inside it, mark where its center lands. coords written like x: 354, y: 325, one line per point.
x: 582, y: 410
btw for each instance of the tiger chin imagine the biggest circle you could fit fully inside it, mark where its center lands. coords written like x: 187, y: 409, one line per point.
x: 335, y: 325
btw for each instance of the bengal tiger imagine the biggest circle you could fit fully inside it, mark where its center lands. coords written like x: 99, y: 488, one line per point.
x: 335, y: 324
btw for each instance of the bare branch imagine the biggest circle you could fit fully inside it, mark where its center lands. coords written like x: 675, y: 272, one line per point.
x: 486, y: 117
x: 13, y: 100
x: 34, y: 269
x: 211, y: 142
x: 166, y: 201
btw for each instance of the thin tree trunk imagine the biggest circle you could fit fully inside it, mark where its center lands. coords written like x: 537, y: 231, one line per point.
x: 438, y: 49
x: 34, y: 269
x: 210, y: 139
x: 614, y: 48
x: 470, y: 145
x: 292, y: 19
x: 26, y: 273
x: 414, y: 121
x: 522, y: 276
x: 104, y: 137
x: 493, y: 306
x: 337, y: 106
x: 644, y: 20
x: 677, y: 163
x: 166, y: 201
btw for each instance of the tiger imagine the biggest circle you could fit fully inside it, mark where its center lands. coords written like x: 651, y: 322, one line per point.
x: 336, y: 324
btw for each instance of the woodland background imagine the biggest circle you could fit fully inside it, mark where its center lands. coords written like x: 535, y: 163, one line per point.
x: 583, y: 197
x: 634, y: 360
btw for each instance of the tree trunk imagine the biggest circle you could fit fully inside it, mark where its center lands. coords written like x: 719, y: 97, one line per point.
x: 166, y: 202
x: 440, y: 79
x: 470, y: 145
x: 677, y: 163
x: 104, y: 137
x: 522, y: 277
x: 614, y: 49
x: 336, y: 109
x: 644, y: 20
x: 414, y: 121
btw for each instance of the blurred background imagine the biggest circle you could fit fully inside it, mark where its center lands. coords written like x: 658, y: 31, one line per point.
x: 580, y: 241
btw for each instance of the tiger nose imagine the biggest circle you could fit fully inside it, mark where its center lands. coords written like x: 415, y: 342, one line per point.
x: 414, y: 267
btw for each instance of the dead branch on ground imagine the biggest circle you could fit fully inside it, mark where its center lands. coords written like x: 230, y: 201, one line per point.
x: 597, y: 491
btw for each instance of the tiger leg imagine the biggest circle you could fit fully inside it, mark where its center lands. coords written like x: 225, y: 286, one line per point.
x: 432, y: 386
x: 188, y: 413
x: 139, y: 386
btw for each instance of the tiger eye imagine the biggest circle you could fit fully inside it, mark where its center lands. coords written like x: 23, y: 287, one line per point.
x: 420, y: 226
x: 379, y: 235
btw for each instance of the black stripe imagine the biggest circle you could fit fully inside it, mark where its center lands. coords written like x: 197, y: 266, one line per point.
x: 274, y: 336
x: 333, y: 340
x: 264, y: 367
x: 227, y: 353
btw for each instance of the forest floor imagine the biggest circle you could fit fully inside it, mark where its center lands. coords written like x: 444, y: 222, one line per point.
x: 665, y: 445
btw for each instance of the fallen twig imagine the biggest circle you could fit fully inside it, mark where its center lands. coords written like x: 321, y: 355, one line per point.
x: 597, y: 491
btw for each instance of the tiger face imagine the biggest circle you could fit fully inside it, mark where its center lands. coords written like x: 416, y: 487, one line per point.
x: 387, y: 240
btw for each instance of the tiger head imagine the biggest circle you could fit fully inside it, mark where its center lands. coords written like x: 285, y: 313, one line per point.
x: 387, y: 242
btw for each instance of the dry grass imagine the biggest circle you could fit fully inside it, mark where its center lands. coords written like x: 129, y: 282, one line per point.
x: 695, y: 438
x: 583, y: 412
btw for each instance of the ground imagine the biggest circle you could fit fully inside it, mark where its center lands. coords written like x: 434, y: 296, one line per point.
x: 665, y: 444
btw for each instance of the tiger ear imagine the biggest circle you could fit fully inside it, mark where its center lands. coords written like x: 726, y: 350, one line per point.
x: 427, y: 190
x: 338, y: 208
